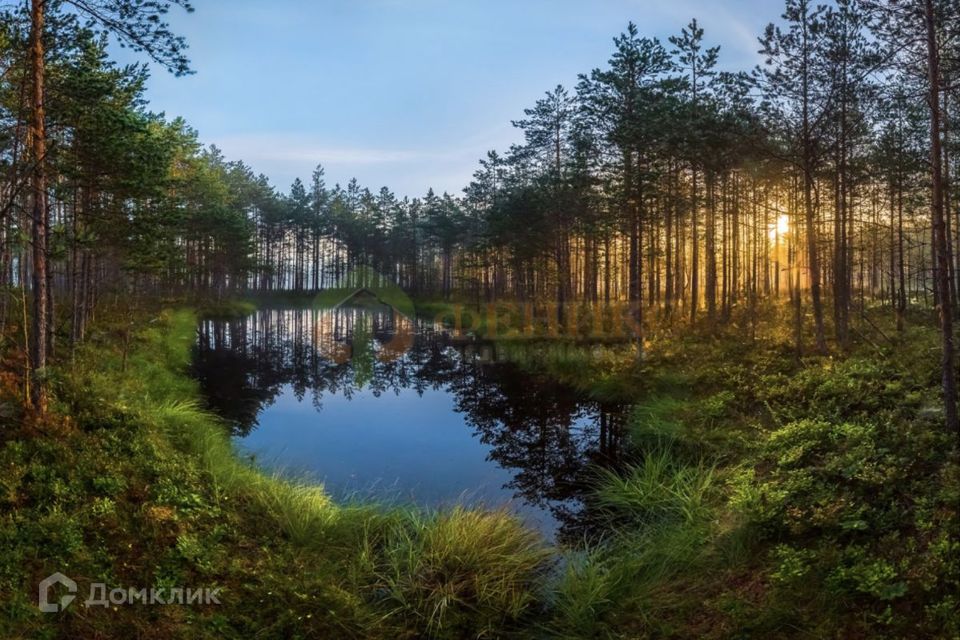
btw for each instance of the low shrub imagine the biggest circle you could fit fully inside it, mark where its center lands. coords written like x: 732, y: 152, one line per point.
x: 861, y: 514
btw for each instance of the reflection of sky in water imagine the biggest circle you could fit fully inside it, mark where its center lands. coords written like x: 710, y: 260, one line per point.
x: 404, y: 447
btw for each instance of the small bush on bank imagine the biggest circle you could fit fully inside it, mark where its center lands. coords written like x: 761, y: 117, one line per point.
x: 860, y: 515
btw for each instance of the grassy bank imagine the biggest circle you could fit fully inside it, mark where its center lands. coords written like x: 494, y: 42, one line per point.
x: 135, y: 485
x: 769, y: 496
x: 761, y: 496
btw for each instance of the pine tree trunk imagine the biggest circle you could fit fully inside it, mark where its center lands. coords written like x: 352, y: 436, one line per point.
x: 695, y: 261
x: 38, y: 139
x: 711, y: 249
x: 940, y: 237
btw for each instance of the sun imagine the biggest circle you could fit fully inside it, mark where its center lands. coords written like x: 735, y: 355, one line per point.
x: 782, y: 227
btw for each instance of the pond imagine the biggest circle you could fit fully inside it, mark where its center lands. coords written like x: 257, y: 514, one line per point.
x: 377, y: 405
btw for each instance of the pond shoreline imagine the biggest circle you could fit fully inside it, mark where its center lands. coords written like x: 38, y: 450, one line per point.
x: 322, y: 393
x: 129, y: 481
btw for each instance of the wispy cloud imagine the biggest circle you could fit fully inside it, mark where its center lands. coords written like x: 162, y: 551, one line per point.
x: 293, y: 148
x: 283, y: 156
x: 298, y: 148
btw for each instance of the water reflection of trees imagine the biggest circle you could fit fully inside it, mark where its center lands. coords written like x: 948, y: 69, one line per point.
x: 535, y: 427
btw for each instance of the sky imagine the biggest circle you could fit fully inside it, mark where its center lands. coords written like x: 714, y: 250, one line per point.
x: 407, y: 94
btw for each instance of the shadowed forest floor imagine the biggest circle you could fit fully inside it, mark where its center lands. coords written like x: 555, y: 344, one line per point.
x: 764, y: 496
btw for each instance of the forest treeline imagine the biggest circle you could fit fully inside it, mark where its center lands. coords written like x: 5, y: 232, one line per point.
x: 824, y: 176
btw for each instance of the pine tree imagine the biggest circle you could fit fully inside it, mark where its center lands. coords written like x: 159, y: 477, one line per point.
x: 139, y: 24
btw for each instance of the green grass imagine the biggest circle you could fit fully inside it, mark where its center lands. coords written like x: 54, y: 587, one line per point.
x: 436, y: 572
x: 659, y: 514
x: 758, y: 496
x: 142, y: 487
x: 657, y: 489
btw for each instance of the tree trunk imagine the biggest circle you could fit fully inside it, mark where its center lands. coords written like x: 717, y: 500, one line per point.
x: 940, y: 237
x: 38, y: 140
x: 695, y: 263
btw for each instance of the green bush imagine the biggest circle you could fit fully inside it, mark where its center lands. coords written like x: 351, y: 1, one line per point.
x: 843, y: 390
x: 862, y: 513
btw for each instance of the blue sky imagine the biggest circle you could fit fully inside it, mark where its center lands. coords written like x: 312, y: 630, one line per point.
x: 404, y: 93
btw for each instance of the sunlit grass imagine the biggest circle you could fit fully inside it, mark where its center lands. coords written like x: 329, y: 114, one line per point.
x: 461, y: 573
x: 154, y: 391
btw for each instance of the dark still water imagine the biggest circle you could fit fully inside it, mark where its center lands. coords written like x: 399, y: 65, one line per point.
x: 373, y: 404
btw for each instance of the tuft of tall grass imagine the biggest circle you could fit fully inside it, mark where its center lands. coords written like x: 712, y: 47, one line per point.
x: 660, y: 513
x: 630, y: 577
x: 656, y: 489
x: 461, y: 573
x: 654, y: 421
x: 583, y: 595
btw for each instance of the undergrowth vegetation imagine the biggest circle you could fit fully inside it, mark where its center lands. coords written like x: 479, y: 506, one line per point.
x: 138, y: 486
x: 767, y: 495
x: 758, y: 495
